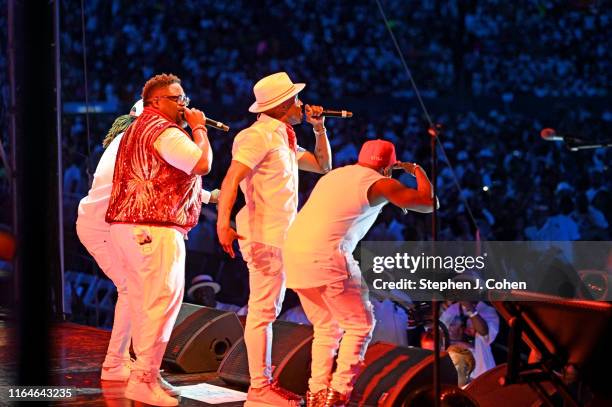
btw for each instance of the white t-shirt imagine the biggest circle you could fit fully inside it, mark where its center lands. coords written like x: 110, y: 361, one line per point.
x: 330, y: 224
x: 173, y: 146
x: 271, y: 187
x: 391, y: 322
x: 92, y: 208
x: 177, y: 149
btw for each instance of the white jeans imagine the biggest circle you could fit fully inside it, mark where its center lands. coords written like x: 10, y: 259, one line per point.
x: 97, y: 242
x: 340, y: 310
x: 154, y: 260
x: 267, y: 291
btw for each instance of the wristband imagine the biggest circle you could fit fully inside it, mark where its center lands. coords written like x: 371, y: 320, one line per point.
x: 200, y: 127
x: 318, y: 133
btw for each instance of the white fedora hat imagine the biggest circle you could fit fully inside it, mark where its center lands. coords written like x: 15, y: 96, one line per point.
x: 202, y: 280
x: 273, y: 90
x: 137, y: 109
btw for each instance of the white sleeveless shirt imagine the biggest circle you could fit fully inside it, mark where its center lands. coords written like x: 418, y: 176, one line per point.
x: 327, y: 229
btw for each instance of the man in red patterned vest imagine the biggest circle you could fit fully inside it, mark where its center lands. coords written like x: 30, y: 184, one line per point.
x: 154, y: 202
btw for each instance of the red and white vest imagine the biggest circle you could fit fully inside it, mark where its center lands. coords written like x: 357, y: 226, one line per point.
x: 146, y: 189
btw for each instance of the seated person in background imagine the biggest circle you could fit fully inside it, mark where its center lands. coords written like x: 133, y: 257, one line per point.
x: 456, y: 330
x: 464, y: 362
x: 481, y: 328
x: 203, y: 290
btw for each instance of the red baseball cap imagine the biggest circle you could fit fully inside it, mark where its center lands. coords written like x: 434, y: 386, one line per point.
x: 377, y: 153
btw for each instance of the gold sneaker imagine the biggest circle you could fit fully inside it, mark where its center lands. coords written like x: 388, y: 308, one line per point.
x: 316, y: 399
x: 335, y: 399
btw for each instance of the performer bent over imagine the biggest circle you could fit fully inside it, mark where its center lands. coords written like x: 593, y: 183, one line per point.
x: 94, y: 233
x: 155, y: 201
x: 320, y: 266
x: 265, y: 162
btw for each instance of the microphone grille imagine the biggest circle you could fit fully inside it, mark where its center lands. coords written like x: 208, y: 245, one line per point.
x: 547, y: 133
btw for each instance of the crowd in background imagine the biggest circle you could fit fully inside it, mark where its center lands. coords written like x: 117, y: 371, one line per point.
x: 492, y: 73
x: 343, y: 49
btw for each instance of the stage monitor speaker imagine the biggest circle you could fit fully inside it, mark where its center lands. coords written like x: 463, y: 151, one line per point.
x: 450, y: 396
x: 570, y: 330
x: 391, y: 372
x: 201, y: 338
x: 290, y: 357
x: 488, y: 391
x: 564, y: 332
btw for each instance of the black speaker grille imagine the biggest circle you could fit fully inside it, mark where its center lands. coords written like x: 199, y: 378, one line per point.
x: 185, y: 330
x: 392, y: 371
x: 288, y: 338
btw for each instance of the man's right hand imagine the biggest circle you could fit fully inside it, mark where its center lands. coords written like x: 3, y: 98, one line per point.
x: 194, y: 117
x: 410, y: 168
x: 226, y: 236
x: 214, y: 196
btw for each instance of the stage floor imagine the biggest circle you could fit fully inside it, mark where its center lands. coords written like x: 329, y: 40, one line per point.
x: 77, y: 355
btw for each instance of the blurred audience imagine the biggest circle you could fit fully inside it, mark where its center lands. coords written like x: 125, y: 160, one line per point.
x: 493, y: 88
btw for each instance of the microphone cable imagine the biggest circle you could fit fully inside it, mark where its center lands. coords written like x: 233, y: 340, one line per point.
x: 426, y: 112
x: 433, y: 131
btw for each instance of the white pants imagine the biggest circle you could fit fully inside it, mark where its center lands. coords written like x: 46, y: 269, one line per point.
x: 267, y: 291
x: 334, y: 309
x: 154, y: 260
x: 97, y: 242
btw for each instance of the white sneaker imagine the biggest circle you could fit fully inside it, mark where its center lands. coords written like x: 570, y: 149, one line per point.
x: 144, y: 387
x: 168, y: 387
x: 272, y: 395
x: 119, y: 373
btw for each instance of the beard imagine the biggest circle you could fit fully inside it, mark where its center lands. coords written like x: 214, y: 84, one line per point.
x: 296, y: 118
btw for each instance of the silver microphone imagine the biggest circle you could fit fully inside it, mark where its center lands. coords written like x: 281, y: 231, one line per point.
x: 342, y: 114
x: 216, y: 125
x: 210, y: 123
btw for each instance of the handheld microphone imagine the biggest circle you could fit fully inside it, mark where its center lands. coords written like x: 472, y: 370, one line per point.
x: 216, y: 125
x: 343, y: 114
x: 210, y: 123
x: 549, y: 134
